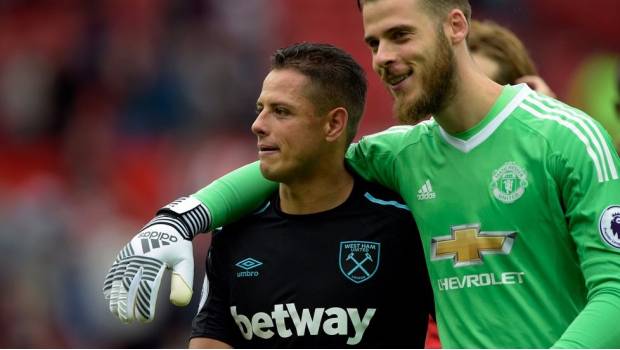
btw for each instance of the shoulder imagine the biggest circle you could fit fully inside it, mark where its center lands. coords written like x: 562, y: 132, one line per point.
x: 382, y: 209
x: 552, y: 117
x: 399, y: 137
x: 249, y: 223
x: 571, y: 135
x: 382, y: 198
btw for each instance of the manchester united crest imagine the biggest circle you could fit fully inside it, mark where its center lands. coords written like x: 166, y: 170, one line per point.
x: 359, y: 260
x: 508, y: 182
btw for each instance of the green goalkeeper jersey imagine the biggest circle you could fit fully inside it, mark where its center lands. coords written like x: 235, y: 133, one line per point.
x: 519, y: 219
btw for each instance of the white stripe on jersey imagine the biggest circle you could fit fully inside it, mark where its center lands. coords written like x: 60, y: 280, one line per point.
x: 467, y: 145
x: 575, y: 131
x: 605, y: 153
x: 572, y: 118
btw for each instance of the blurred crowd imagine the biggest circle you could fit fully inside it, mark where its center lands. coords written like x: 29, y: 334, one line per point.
x: 109, y: 109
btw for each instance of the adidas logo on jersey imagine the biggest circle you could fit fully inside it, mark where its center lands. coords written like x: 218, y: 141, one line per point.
x: 426, y: 191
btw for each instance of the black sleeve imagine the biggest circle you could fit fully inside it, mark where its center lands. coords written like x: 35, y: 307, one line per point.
x: 213, y: 319
x: 425, y: 289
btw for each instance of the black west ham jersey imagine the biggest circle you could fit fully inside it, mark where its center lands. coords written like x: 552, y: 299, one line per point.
x: 353, y: 276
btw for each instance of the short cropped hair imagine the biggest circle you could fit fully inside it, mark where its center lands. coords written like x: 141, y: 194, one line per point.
x: 337, y: 80
x: 502, y: 46
x: 439, y: 8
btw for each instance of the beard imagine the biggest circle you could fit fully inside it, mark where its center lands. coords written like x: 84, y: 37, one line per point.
x: 438, y: 85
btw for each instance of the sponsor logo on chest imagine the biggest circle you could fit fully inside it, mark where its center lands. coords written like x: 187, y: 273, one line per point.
x: 467, y: 245
x: 331, y: 321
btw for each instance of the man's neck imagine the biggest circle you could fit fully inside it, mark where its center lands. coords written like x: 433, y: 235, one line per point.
x: 475, y: 95
x: 318, y: 193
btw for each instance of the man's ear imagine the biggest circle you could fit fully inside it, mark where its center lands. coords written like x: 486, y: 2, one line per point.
x: 336, y: 123
x: 456, y: 26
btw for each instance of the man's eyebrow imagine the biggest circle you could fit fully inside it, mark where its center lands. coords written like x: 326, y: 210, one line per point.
x: 274, y: 104
x: 390, y: 31
x: 400, y: 28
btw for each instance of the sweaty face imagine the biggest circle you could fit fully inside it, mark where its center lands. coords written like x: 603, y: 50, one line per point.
x: 290, y: 134
x: 412, y: 56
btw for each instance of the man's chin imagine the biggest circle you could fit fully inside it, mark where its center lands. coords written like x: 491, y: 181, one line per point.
x: 406, y: 113
x: 270, y: 173
x: 266, y: 171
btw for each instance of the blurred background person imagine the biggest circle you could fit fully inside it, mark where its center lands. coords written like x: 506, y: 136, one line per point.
x: 503, y: 57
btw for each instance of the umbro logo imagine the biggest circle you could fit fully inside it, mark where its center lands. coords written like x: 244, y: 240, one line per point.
x: 248, y: 264
x: 153, y: 240
x: 426, y: 191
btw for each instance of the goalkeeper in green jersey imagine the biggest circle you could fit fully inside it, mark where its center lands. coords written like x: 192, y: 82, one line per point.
x: 516, y: 195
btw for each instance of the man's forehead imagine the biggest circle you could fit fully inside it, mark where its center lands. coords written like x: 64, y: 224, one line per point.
x: 284, y: 85
x: 286, y: 78
x: 380, y: 16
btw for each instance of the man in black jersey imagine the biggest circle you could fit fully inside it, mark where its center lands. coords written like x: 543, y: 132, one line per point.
x: 330, y: 260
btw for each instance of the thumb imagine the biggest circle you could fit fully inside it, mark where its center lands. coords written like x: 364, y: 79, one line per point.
x: 181, y: 282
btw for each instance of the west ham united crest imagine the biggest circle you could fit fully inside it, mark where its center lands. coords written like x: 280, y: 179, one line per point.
x: 609, y: 225
x: 359, y: 260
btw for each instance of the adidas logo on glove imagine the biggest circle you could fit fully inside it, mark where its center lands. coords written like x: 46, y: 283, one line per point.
x: 153, y: 240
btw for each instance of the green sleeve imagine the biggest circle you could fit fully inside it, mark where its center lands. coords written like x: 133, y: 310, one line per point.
x: 236, y: 194
x: 588, y: 191
x: 241, y: 191
x: 374, y: 157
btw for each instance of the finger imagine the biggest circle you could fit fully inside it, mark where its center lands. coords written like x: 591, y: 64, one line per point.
x: 109, y: 278
x: 115, y: 284
x: 146, y: 296
x: 114, y: 297
x: 116, y: 271
x: 182, y: 281
x: 131, y: 297
x: 131, y: 283
x: 125, y: 274
x: 121, y: 302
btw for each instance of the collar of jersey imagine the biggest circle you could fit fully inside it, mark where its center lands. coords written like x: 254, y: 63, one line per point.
x: 509, y: 99
x: 358, y: 185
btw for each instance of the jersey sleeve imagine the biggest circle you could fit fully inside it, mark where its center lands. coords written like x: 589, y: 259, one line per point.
x: 235, y: 194
x: 213, y: 319
x: 241, y: 191
x: 585, y: 166
x: 374, y: 156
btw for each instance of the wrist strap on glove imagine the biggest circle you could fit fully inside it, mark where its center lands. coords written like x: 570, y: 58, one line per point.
x: 187, y: 215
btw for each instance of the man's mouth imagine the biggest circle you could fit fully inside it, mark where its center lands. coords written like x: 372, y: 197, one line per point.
x: 267, y: 149
x: 394, y: 81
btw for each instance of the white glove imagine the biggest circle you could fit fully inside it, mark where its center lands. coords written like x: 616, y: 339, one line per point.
x: 132, y: 284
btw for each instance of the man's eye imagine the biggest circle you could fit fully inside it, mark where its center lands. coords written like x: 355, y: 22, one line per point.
x: 281, y: 111
x: 373, y: 45
x: 399, y: 35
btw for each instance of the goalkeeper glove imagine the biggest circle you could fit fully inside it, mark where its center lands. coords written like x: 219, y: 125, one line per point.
x: 132, y: 284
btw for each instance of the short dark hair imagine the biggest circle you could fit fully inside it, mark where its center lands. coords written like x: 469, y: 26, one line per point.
x: 440, y: 8
x: 502, y: 46
x: 338, y: 80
